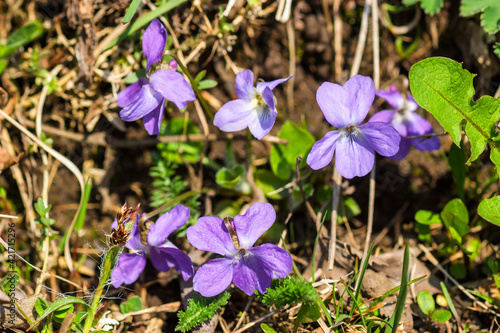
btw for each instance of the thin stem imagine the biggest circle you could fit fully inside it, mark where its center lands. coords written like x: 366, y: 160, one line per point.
x: 196, y: 90
x: 337, y: 180
x: 107, y: 267
x: 426, y: 136
x: 361, y: 40
x: 174, y: 201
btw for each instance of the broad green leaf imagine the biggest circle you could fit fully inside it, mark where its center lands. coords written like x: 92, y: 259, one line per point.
x: 431, y: 6
x: 456, y: 161
x: 308, y: 312
x: 131, y: 10
x: 134, y: 76
x: 426, y: 302
x: 489, y: 209
x: 427, y: 217
x: 62, y: 312
x: 58, y: 304
x: 443, y: 88
x: 230, y: 177
x: 40, y: 305
x: 455, y: 217
x: 490, y: 20
x: 133, y: 304
x: 269, y: 183
x: 458, y: 270
x: 471, y: 7
x: 283, y: 158
x: 441, y: 315
x: 21, y: 37
x: 267, y: 329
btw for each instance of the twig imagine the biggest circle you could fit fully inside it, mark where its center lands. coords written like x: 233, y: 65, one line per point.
x: 5, y: 245
x: 337, y: 40
x: 361, y: 40
x: 169, y: 307
x: 290, y: 32
x: 337, y: 180
x: 376, y: 44
x: 245, y: 311
x: 247, y: 326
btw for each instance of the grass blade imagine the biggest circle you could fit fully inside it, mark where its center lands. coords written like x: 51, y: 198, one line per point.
x: 400, y: 304
x: 131, y: 11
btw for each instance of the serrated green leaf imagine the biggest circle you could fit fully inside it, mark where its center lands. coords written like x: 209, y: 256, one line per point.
x: 283, y: 158
x: 489, y: 209
x: 471, y: 7
x: 230, y: 177
x: 200, y: 309
x: 21, y: 37
x: 456, y: 161
x: 441, y: 315
x: 442, y: 87
x: 131, y: 10
x: 425, y: 302
x: 490, y: 19
x: 427, y: 217
x: 455, y: 217
x: 431, y: 6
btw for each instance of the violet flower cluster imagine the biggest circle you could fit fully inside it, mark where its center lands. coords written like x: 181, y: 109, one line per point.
x: 146, y: 98
x: 250, y: 268
x: 345, y: 107
x: 255, y: 108
x: 406, y: 121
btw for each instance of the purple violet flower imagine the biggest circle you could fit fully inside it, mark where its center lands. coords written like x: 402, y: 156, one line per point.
x: 146, y: 98
x: 249, y: 268
x: 406, y: 121
x: 345, y: 107
x: 255, y: 108
x: 163, y: 253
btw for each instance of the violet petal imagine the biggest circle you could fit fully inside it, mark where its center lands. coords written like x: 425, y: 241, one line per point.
x: 404, y: 149
x: 267, y: 95
x: 172, y: 86
x: 362, y: 92
x: 264, y: 123
x: 273, y: 84
x: 420, y: 126
x: 235, y: 115
x: 167, y: 224
x: 152, y: 121
x: 257, y: 220
x: 244, y: 84
x: 249, y: 275
x: 276, y: 261
x: 354, y: 156
x: 210, y: 234
x: 321, y: 153
x: 334, y: 101
x: 128, y: 268
x: 393, y: 97
x: 213, y: 277
x: 382, y: 137
x: 384, y: 116
x: 146, y: 101
x: 154, y: 40
x: 163, y: 258
x: 127, y: 95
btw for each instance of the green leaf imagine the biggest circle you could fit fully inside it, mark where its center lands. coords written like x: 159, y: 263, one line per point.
x: 133, y: 304
x: 458, y: 270
x: 308, y: 311
x: 473, y: 248
x: 427, y: 217
x: 283, y: 158
x: 471, y: 7
x: 289, y: 291
x: 496, y: 49
x: 489, y: 209
x: 40, y: 207
x: 267, y: 329
x: 431, y: 6
x: 40, y: 305
x: 80, y: 220
x: 21, y: 37
x: 135, y: 76
x: 410, y: 2
x: 455, y: 217
x: 490, y: 19
x: 456, y: 161
x: 58, y: 304
x: 207, y: 84
x: 179, y: 152
x: 441, y: 315
x: 131, y: 10
x: 442, y: 87
x: 230, y: 177
x: 400, y: 303
x: 426, y: 302
x: 269, y: 183
x: 62, y: 313
x: 146, y: 19
x: 200, y: 76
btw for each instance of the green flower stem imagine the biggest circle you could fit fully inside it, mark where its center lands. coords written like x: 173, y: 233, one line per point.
x: 196, y: 90
x: 108, y: 265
